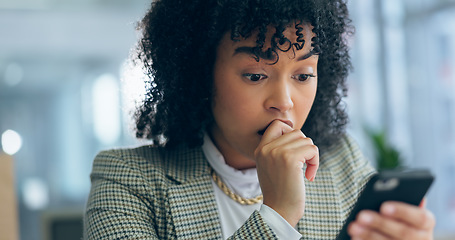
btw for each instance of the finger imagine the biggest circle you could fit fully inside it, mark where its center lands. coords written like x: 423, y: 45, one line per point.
x: 412, y: 215
x: 358, y: 231
x: 423, y: 203
x: 303, y: 151
x: 275, y: 130
x: 312, y: 165
x: 291, y: 140
x: 385, y: 226
x: 310, y: 153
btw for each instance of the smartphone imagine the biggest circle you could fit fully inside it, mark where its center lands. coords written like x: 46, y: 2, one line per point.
x: 408, y: 186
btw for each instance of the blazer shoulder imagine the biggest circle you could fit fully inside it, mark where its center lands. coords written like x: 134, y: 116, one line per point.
x: 345, y: 154
x: 151, y: 162
x: 121, y: 158
x: 133, y: 167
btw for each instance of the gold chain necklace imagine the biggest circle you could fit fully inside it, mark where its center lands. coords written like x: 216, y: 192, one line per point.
x: 234, y: 196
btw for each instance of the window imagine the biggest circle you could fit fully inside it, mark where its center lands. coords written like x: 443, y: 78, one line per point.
x: 404, y: 84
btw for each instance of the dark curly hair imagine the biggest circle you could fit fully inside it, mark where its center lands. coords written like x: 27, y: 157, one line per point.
x: 178, y: 51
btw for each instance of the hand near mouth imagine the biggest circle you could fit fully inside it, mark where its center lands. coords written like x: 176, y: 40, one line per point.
x: 280, y: 157
x: 288, y: 122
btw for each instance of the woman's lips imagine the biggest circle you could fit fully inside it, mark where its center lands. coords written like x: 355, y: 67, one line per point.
x: 288, y: 122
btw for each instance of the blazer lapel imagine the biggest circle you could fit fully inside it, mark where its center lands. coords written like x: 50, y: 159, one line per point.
x: 192, y: 201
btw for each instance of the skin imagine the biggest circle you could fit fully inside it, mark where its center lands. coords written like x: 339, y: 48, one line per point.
x: 395, y: 220
x: 251, y: 97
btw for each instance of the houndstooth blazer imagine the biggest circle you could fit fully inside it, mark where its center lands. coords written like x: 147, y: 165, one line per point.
x: 155, y: 193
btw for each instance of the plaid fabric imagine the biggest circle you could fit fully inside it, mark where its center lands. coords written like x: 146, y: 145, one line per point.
x: 153, y: 193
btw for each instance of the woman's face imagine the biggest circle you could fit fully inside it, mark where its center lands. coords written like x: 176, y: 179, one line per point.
x: 249, y: 95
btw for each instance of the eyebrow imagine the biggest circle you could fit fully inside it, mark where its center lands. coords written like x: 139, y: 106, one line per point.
x: 264, y: 55
x: 252, y: 51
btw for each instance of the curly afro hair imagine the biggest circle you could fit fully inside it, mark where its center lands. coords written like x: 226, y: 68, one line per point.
x: 178, y: 51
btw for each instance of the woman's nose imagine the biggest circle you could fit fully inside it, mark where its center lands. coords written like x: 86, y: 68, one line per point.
x: 279, y: 97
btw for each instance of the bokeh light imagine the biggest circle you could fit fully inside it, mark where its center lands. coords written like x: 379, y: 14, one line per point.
x: 11, y: 142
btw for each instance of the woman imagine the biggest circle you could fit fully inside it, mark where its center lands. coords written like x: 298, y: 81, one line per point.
x: 243, y: 103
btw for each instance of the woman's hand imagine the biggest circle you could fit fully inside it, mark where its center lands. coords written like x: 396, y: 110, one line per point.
x: 280, y: 157
x: 396, y: 220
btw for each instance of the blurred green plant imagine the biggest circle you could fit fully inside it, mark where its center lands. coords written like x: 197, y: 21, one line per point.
x: 387, y: 157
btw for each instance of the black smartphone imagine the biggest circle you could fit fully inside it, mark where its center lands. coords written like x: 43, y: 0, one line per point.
x: 408, y: 186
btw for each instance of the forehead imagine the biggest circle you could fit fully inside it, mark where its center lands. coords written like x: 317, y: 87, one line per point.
x: 244, y: 45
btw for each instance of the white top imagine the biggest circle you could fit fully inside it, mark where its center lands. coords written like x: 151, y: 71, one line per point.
x: 246, y: 184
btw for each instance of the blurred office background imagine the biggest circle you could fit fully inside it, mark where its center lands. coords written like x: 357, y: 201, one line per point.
x: 67, y: 90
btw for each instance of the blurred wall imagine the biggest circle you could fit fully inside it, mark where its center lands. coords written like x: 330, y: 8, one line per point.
x: 403, y: 84
x: 60, y: 88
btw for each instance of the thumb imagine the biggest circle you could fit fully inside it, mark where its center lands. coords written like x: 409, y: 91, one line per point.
x: 423, y: 203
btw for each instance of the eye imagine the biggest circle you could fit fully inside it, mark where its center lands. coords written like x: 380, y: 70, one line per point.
x: 304, y: 77
x: 254, y: 77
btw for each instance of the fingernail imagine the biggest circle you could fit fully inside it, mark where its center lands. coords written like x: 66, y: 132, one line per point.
x: 356, y: 229
x: 366, y: 217
x: 388, y: 209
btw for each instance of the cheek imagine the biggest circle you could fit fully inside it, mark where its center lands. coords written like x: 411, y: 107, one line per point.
x: 305, y: 102
x: 233, y: 104
x: 231, y: 96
